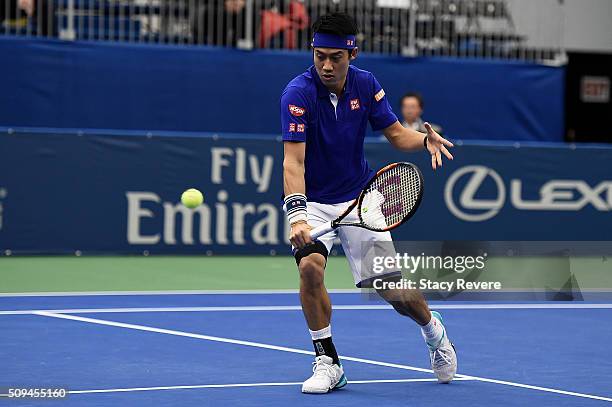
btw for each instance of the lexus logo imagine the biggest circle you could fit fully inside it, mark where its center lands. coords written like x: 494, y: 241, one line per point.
x: 487, y: 208
x: 554, y: 195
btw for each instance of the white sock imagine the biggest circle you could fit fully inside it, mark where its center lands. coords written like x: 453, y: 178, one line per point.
x: 321, y: 333
x: 432, y: 332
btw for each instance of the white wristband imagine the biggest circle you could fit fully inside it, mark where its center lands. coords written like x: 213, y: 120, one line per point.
x: 295, y: 208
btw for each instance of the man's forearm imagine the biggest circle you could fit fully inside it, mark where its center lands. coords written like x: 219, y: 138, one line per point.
x: 403, y: 138
x: 408, y: 140
x: 293, y: 178
x: 295, y: 188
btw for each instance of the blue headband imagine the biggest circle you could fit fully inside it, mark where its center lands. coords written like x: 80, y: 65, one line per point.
x: 323, y: 40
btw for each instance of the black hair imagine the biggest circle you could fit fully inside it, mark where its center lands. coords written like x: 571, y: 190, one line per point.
x: 415, y: 95
x: 335, y: 23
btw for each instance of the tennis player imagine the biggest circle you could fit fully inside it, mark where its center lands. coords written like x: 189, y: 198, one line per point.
x: 324, y: 114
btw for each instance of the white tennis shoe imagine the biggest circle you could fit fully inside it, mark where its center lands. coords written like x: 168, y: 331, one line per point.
x: 326, y: 376
x: 443, y: 357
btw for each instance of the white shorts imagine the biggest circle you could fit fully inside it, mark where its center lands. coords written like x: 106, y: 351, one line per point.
x: 356, y: 241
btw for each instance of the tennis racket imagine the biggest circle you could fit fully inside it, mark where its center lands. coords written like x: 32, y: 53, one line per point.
x: 387, y: 201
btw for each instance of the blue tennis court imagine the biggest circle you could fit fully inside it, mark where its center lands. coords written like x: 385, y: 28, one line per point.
x: 183, y: 181
x: 253, y: 349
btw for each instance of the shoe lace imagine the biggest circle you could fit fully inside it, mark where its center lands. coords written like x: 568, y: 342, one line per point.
x: 440, y: 357
x: 320, y: 368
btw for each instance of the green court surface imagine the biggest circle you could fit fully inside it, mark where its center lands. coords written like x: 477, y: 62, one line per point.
x: 163, y: 273
x: 167, y: 273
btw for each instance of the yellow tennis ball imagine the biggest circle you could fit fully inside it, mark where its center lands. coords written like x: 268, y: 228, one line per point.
x: 192, y: 198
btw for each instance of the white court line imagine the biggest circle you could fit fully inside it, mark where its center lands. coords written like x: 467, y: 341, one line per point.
x: 304, y: 352
x: 191, y: 292
x: 299, y: 308
x: 169, y: 292
x: 180, y: 309
x: 539, y: 305
x: 232, y: 385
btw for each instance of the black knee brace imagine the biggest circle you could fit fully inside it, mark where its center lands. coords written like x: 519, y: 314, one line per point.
x: 315, y: 247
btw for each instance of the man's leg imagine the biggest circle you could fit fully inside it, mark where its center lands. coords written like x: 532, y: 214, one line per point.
x: 411, y: 303
x: 362, y: 248
x: 316, y: 305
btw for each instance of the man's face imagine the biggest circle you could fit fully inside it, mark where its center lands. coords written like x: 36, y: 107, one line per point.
x: 411, y: 109
x: 332, y: 65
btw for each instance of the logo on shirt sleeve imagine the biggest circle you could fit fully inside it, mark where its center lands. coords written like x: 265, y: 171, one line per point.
x: 379, y: 95
x: 300, y: 128
x: 296, y: 110
x: 354, y: 104
x: 291, y: 127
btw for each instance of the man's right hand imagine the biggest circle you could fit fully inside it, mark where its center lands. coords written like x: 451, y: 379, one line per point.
x: 300, y: 234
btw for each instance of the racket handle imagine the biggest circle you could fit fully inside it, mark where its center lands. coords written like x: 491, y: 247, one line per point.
x: 321, y: 230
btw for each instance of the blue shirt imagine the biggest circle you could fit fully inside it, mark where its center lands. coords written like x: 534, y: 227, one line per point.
x: 335, y: 166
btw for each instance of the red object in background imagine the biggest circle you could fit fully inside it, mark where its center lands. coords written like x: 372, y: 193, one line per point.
x: 274, y: 23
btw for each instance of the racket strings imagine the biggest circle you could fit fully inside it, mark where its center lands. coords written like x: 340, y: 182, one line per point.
x: 391, y: 197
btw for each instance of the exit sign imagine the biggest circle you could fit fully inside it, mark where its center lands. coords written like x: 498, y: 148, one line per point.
x: 595, y: 89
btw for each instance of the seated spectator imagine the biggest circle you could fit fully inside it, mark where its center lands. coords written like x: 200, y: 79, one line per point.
x: 411, y: 105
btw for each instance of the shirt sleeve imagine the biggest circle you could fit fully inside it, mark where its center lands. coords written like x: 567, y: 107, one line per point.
x: 381, y: 114
x: 294, y: 115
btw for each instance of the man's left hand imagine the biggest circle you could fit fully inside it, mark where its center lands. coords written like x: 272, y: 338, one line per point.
x: 437, y: 145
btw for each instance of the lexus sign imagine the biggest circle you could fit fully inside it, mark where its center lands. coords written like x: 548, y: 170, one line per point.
x: 554, y: 195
